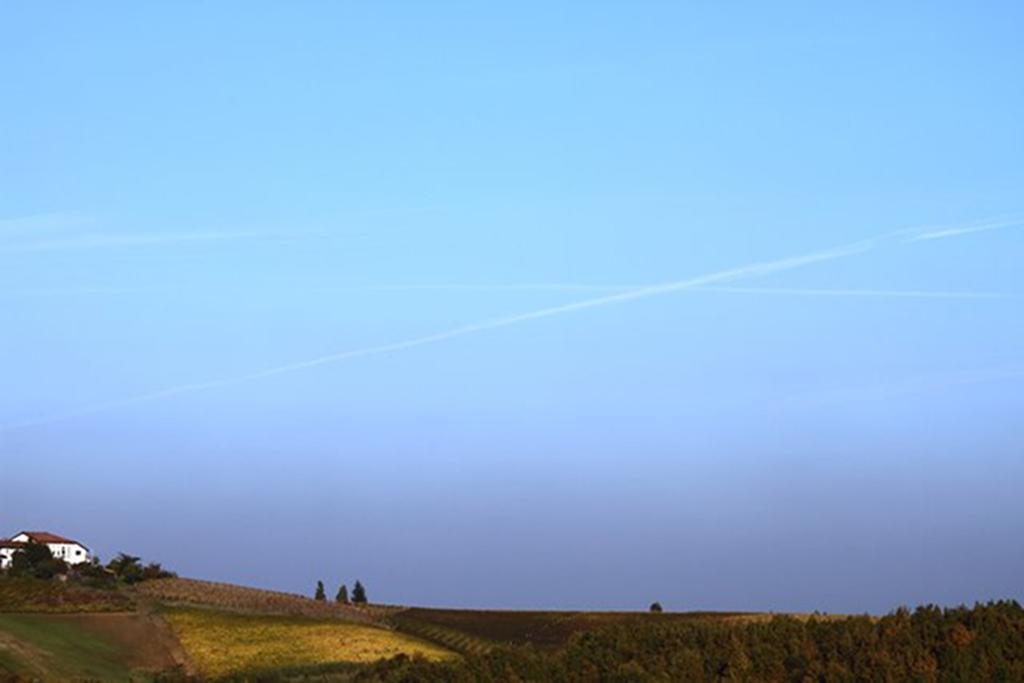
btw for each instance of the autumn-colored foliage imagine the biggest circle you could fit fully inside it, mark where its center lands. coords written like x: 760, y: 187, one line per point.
x: 984, y: 643
x: 541, y: 629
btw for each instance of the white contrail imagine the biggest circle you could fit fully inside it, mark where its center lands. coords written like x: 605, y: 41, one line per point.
x: 724, y: 276
x: 956, y: 231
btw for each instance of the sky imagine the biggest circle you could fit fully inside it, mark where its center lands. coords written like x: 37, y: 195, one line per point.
x: 534, y: 305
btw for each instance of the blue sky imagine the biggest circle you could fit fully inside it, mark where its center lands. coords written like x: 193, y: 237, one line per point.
x: 192, y: 196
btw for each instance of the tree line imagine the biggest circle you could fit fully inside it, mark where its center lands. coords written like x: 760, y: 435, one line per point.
x: 983, y: 643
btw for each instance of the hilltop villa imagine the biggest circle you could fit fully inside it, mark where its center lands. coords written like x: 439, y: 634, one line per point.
x: 62, y: 548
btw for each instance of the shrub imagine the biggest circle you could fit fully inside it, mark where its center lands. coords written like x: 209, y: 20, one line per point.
x: 36, y: 560
x: 92, y: 574
x: 127, y: 568
x: 153, y: 570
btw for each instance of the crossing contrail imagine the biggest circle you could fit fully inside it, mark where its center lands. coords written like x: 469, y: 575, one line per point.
x: 716, y: 278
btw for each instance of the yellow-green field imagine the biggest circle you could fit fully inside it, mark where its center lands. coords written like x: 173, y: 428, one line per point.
x: 222, y: 644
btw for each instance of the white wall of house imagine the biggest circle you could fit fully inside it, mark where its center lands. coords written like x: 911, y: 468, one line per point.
x: 72, y: 553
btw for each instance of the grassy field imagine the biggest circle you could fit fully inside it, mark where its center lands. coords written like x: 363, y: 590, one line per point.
x: 52, y: 647
x: 222, y: 644
x: 34, y: 595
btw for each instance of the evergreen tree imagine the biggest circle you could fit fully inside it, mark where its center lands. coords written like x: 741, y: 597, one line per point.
x: 656, y: 607
x: 342, y: 596
x: 320, y: 594
x: 358, y: 593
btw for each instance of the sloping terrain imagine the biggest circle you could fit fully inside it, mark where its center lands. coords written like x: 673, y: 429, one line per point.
x: 447, y: 636
x: 982, y: 643
x: 223, y: 643
x: 230, y: 597
x: 216, y: 629
x: 35, y: 595
x: 101, y: 646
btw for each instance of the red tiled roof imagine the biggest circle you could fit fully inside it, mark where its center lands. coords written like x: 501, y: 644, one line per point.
x: 46, y: 537
x: 11, y: 544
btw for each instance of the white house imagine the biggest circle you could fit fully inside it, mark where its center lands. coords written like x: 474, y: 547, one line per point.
x: 62, y: 548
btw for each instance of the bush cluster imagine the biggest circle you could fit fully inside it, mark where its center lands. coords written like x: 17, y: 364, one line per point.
x: 36, y: 561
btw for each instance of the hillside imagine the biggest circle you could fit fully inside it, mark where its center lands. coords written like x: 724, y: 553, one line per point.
x: 478, y: 631
x: 929, y: 644
x: 54, y: 630
x: 227, y: 643
x: 102, y: 646
x: 33, y: 595
x: 175, y: 628
x: 230, y: 597
x: 216, y: 629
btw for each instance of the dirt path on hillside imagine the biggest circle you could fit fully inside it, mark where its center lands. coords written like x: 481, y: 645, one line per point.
x: 144, y: 637
x: 170, y: 641
x: 142, y: 640
x: 34, y: 660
